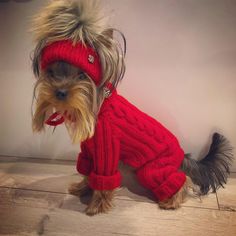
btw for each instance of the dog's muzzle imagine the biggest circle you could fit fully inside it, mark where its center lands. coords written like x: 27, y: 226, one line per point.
x: 61, y: 94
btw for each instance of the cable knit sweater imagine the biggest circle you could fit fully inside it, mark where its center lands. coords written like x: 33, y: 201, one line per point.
x: 122, y: 133
x: 125, y: 133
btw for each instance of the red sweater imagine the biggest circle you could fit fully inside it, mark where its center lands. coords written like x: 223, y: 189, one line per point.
x: 125, y: 133
x: 122, y: 133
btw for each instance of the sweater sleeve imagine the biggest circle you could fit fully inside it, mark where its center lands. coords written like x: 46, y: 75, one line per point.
x: 106, y: 151
x: 84, y: 161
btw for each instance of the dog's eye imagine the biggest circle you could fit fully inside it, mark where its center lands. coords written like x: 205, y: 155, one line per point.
x: 50, y: 73
x: 81, y: 76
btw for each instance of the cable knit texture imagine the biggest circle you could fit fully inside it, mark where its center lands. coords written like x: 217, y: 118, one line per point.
x: 125, y: 133
x: 78, y: 55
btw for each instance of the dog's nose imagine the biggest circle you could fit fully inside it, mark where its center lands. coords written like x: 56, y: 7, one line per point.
x: 61, y: 94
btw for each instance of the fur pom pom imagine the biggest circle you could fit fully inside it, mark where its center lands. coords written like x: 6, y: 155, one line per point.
x: 69, y: 19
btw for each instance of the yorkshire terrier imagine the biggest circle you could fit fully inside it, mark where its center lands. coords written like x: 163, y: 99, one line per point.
x: 78, y: 65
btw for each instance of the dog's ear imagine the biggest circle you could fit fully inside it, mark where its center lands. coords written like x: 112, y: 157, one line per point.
x: 35, y: 58
x: 111, y: 56
x: 110, y: 33
x: 105, y: 39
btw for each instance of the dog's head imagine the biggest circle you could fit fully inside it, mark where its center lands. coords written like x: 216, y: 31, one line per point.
x: 74, y: 60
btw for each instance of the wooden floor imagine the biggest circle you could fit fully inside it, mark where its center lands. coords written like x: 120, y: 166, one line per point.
x: 34, y: 201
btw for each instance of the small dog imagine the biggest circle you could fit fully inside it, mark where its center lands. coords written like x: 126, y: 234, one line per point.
x: 79, y: 64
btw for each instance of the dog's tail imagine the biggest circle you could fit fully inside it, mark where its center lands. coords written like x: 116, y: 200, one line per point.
x: 212, y: 171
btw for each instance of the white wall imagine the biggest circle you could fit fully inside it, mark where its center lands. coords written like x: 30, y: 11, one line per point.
x: 181, y: 68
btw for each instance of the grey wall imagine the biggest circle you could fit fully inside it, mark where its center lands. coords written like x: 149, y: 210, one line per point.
x: 181, y: 67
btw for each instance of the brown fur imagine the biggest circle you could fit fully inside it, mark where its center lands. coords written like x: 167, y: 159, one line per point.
x: 80, y: 189
x: 101, y: 202
x: 81, y: 104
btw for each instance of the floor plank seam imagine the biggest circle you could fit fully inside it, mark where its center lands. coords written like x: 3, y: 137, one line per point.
x: 114, y: 233
x: 217, y: 200
x: 34, y: 190
x: 16, y: 204
x: 37, y: 160
x: 227, y: 208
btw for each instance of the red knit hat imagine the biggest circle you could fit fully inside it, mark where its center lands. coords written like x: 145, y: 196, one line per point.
x: 79, y: 55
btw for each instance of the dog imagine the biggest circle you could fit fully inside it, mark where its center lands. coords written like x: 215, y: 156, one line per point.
x: 78, y: 65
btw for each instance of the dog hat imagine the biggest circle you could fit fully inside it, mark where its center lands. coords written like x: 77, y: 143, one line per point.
x: 79, y: 55
x: 68, y: 30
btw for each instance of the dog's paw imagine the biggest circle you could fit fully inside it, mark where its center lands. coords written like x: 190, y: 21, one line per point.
x: 176, y: 201
x: 101, y: 203
x: 79, y: 189
x: 169, y: 204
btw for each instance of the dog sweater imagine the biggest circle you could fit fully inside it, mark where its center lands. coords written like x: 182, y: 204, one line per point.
x: 122, y: 133
x: 125, y: 133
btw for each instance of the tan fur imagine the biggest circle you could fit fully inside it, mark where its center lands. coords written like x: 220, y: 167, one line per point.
x: 79, y: 20
x: 80, y: 189
x: 81, y: 105
x: 179, y: 198
x: 101, y: 202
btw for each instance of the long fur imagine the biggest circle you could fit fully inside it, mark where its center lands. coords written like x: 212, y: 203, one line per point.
x: 75, y: 20
x: 82, y: 21
x: 101, y: 202
x: 80, y: 189
x: 81, y: 105
x: 212, y: 171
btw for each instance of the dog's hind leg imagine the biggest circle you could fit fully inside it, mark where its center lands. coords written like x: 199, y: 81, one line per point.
x: 179, y: 198
x: 165, y: 181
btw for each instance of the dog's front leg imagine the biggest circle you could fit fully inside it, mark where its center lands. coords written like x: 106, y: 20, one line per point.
x: 81, y: 188
x: 101, y: 202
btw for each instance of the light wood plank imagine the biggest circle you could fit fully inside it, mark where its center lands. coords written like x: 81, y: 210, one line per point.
x: 21, y: 221
x: 227, y: 195
x: 140, y: 218
x: 31, y: 198
x: 8, y: 159
x: 37, y: 176
x: 57, y: 178
x: 27, y: 216
x: 22, y: 212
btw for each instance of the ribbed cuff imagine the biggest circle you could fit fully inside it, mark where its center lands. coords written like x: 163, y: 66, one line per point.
x: 170, y: 187
x: 84, y: 165
x: 101, y: 182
